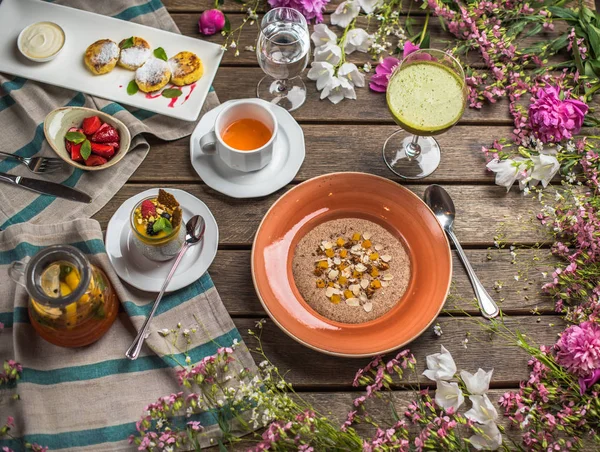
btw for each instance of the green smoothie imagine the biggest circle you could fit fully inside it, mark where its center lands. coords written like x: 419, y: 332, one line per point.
x: 426, y: 97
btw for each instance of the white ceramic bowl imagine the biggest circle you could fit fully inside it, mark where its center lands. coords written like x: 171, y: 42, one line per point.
x: 44, y: 59
x: 59, y: 121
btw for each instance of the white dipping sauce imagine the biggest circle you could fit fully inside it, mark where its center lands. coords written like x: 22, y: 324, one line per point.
x: 42, y: 40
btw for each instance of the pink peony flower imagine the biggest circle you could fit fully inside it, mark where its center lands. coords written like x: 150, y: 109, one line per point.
x: 587, y: 382
x: 579, y: 349
x: 383, y: 71
x: 310, y: 9
x: 552, y: 119
x: 211, y: 21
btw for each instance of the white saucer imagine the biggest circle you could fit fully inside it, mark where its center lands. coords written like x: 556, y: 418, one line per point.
x: 288, y: 155
x: 144, y: 274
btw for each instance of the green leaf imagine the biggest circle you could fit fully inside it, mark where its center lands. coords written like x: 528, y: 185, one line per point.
x: 408, y: 24
x: 563, y: 13
x: 162, y: 224
x: 128, y: 43
x: 86, y: 150
x: 594, y: 37
x: 227, y: 26
x: 425, y: 40
x: 534, y: 30
x: 577, y: 59
x: 222, y: 447
x: 75, y: 137
x: 160, y: 54
x: 171, y: 93
x: 132, y: 88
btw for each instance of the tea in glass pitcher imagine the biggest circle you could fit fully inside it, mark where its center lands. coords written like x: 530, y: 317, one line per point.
x: 71, y: 301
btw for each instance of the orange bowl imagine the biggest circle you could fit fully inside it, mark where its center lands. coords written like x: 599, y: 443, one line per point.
x: 355, y: 195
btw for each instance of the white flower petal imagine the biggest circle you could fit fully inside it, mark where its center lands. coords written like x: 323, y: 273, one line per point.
x: 351, y: 73
x: 479, y: 383
x: 369, y: 6
x: 345, y: 13
x: 482, y: 410
x: 507, y: 171
x: 449, y: 395
x: 489, y: 439
x: 322, y: 72
x: 357, y: 39
x: 323, y: 35
x: 440, y: 366
x: 545, y: 168
x: 329, y: 53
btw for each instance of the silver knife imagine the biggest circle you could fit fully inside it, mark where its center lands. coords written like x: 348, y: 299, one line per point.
x: 47, y: 188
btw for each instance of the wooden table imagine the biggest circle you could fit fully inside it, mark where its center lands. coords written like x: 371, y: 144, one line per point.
x: 349, y: 137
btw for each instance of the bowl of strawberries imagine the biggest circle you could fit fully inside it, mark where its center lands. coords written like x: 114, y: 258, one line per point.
x: 86, y: 138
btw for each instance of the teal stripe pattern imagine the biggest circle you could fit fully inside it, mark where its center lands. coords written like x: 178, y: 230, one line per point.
x: 14, y: 84
x: 140, y: 10
x: 25, y: 249
x: 172, y: 300
x: 102, y: 435
x: 124, y: 365
x: 6, y: 102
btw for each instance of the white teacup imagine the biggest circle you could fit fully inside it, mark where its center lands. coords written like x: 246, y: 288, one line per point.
x: 212, y: 142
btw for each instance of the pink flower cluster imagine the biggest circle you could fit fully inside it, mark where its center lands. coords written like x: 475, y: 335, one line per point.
x: 578, y: 349
x: 11, y: 371
x: 553, y: 119
x: 286, y: 432
x: 312, y: 10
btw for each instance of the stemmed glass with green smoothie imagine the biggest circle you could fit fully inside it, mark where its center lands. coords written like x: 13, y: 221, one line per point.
x: 426, y: 95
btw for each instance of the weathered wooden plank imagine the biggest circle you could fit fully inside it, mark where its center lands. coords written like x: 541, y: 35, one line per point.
x: 353, y: 148
x: 368, y: 108
x: 311, y: 369
x: 231, y: 275
x: 480, y: 210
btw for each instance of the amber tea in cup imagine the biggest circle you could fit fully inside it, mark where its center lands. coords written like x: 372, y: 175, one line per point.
x: 246, y: 134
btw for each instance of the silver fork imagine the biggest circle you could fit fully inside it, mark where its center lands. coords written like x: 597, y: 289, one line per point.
x: 38, y: 165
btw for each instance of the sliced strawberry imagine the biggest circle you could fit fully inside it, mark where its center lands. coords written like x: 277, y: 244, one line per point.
x: 95, y: 160
x: 68, y: 144
x: 91, y: 125
x: 106, y: 134
x: 75, y: 150
x: 148, y: 209
x: 115, y: 145
x: 103, y: 150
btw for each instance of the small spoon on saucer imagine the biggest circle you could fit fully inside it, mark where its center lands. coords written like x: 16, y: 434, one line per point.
x: 194, y: 232
x: 440, y: 202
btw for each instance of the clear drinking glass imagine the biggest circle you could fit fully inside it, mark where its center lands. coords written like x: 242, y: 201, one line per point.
x: 283, y: 50
x: 426, y: 95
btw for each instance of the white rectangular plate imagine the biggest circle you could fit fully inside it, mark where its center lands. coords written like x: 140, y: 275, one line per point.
x: 82, y: 28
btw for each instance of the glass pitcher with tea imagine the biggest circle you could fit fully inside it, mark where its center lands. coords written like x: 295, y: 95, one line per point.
x: 71, y: 301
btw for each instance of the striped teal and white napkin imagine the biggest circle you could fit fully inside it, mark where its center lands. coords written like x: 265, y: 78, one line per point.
x: 24, y: 105
x: 89, y: 399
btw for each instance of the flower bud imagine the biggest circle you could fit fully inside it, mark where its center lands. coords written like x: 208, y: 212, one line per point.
x: 211, y: 21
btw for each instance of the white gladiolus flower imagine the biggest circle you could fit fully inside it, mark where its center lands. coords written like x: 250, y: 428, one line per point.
x: 482, y: 411
x: 369, y: 6
x: 350, y: 72
x: 322, y: 72
x: 478, y: 383
x: 489, y: 439
x: 357, y: 39
x: 338, y: 89
x: 545, y: 168
x: 508, y: 171
x: 330, y: 53
x: 449, y: 395
x: 345, y: 13
x: 323, y: 35
x: 440, y: 366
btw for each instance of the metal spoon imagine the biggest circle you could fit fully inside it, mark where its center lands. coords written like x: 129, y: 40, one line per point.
x: 441, y: 204
x: 195, y: 231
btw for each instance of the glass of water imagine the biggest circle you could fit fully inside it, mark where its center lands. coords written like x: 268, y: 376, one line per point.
x: 282, y: 50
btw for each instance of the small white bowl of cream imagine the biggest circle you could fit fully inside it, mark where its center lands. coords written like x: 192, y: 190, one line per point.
x: 41, y: 41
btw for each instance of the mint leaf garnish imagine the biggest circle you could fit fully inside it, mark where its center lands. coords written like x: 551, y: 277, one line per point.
x: 75, y: 137
x: 86, y: 149
x: 171, y: 93
x: 160, y: 53
x: 162, y: 224
x: 128, y: 43
x: 132, y: 88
